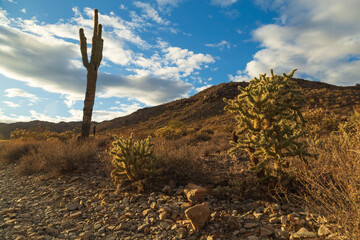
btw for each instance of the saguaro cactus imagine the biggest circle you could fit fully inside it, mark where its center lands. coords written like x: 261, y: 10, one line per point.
x: 92, y: 69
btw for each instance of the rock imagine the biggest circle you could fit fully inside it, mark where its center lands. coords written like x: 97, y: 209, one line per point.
x: 251, y: 224
x: 146, y: 212
x: 86, y: 235
x: 72, y: 206
x: 195, y: 193
x: 52, y: 231
x: 265, y: 232
x: 97, y: 226
x: 280, y: 234
x: 236, y: 232
x: 323, y: 231
x: 303, y: 233
x: 142, y: 227
x: 253, y: 237
x: 75, y: 215
x: 181, y: 233
x: 163, y: 216
x: 198, y: 215
x: 167, y: 190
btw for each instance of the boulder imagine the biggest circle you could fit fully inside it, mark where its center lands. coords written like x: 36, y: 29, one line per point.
x: 198, y: 215
x: 195, y: 193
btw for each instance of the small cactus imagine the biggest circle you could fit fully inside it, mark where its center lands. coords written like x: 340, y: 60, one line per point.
x: 131, y: 159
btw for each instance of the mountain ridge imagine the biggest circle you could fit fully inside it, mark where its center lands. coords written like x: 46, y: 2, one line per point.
x: 199, y: 107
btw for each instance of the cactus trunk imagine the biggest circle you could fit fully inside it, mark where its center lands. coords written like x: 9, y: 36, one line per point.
x: 92, y: 69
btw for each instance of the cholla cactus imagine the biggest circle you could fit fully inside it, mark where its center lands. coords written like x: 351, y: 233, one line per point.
x: 131, y: 159
x: 269, y: 121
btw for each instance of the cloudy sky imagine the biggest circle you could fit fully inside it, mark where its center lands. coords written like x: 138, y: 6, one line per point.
x: 157, y: 51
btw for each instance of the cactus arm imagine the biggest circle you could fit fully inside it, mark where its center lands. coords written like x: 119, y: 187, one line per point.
x: 83, y: 48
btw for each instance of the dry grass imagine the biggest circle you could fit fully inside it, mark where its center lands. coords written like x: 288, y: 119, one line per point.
x: 56, y: 157
x: 12, y: 150
x: 330, y: 184
x: 184, y: 158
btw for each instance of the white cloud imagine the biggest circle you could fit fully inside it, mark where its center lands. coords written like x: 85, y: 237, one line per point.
x: 47, y: 56
x: 221, y: 45
x: 151, y: 13
x: 10, y: 119
x: 23, y: 10
x: 322, y: 40
x: 12, y: 1
x: 199, y: 89
x: 223, y: 3
x: 173, y: 3
x: 11, y: 104
x: 17, y: 92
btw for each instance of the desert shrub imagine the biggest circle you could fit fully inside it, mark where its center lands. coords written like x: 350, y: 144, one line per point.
x: 57, y: 157
x: 132, y: 159
x: 330, y: 183
x: 269, y: 122
x: 39, y: 133
x: 175, y: 129
x: 350, y: 130
x: 320, y: 121
x: 12, y: 150
x: 182, y: 162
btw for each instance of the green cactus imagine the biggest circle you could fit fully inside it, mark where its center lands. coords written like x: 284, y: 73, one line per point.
x: 269, y: 122
x: 92, y: 69
x: 131, y: 159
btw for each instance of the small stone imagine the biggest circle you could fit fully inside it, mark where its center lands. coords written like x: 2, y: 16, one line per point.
x: 253, y: 237
x: 163, y: 216
x: 52, y: 231
x: 198, y: 215
x: 303, y: 233
x: 146, y: 212
x: 265, y: 232
x: 86, y: 235
x: 72, y: 206
x: 236, y: 232
x: 153, y: 205
x: 164, y: 225
x: 181, y: 232
x: 97, y: 226
x: 323, y: 231
x: 215, y: 214
x: 167, y: 190
x: 142, y: 227
x: 280, y: 234
x: 251, y: 225
x: 75, y: 215
x: 195, y: 193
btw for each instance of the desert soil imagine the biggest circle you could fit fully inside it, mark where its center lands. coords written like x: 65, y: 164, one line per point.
x: 86, y: 206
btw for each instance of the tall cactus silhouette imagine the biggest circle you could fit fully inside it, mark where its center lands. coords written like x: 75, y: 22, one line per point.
x: 92, y: 69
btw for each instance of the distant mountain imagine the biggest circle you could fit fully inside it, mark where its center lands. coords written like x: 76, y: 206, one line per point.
x: 203, y: 106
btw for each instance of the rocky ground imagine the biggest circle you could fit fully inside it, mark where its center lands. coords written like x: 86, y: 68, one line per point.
x: 87, y: 206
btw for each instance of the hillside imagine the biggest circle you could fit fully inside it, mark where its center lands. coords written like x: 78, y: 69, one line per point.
x: 209, y: 103
x: 204, y: 105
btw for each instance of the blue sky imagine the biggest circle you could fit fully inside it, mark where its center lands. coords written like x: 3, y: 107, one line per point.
x: 157, y: 51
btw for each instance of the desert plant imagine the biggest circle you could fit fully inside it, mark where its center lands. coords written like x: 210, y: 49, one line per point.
x: 132, y: 159
x: 92, y: 69
x: 39, y: 133
x: 269, y: 122
x: 56, y: 157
